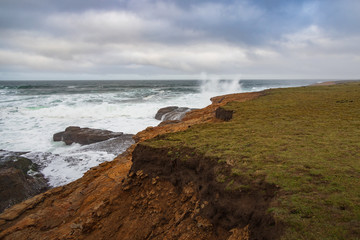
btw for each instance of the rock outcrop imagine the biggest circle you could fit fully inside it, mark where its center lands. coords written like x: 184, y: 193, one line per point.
x: 172, y: 113
x: 84, y: 136
x: 19, y: 179
x: 162, y: 111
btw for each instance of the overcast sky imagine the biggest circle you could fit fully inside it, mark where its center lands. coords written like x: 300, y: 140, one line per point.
x: 159, y: 39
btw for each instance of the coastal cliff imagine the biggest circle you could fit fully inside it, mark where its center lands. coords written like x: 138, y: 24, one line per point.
x: 267, y: 165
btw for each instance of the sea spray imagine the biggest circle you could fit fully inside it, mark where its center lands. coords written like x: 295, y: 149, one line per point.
x: 214, y: 86
x: 221, y: 86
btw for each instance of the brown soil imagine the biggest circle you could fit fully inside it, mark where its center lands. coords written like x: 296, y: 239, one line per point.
x: 107, y: 203
x: 225, y: 208
x: 223, y: 114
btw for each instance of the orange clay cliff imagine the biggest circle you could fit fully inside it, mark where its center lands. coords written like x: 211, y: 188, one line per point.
x: 112, y: 202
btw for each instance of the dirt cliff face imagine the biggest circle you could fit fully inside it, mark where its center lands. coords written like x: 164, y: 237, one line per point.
x: 109, y: 202
x: 223, y: 207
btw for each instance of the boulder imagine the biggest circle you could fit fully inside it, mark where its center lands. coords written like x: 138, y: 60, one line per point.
x: 84, y: 136
x: 19, y: 179
x: 162, y: 111
x: 171, y: 113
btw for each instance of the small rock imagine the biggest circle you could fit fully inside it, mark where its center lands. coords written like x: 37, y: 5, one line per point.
x: 239, y: 233
x: 153, y: 181
x: 203, y: 205
x: 179, y: 217
x: 188, y: 191
x: 131, y: 174
x: 139, y: 173
x: 203, y: 223
x: 126, y: 181
x: 76, y: 226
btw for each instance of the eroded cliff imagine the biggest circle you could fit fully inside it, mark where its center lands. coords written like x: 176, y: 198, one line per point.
x: 109, y: 202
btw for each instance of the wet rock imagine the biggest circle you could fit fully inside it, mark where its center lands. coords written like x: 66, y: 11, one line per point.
x: 169, y: 122
x: 171, y: 113
x: 19, y: 179
x: 162, y: 111
x: 112, y: 146
x: 84, y: 135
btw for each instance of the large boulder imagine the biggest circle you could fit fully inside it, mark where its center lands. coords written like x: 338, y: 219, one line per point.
x: 171, y: 113
x: 162, y: 111
x: 84, y: 135
x: 19, y: 179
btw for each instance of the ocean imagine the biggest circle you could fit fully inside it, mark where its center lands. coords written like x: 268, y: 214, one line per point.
x: 32, y: 111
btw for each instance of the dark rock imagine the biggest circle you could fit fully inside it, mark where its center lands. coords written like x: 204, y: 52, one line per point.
x: 223, y: 114
x: 171, y: 113
x: 16, y: 184
x: 84, y: 135
x: 163, y: 111
x: 112, y: 146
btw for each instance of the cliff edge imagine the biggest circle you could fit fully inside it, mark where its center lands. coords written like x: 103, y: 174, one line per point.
x: 108, y: 202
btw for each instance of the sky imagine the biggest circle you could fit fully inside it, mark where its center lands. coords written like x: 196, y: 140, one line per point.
x: 185, y: 39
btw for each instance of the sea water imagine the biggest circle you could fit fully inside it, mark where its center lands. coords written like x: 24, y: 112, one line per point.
x: 32, y: 111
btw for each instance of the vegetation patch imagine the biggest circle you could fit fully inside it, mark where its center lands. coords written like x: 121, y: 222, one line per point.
x: 305, y: 141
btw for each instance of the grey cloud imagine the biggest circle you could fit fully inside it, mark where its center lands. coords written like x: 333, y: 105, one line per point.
x: 241, y: 22
x: 156, y: 37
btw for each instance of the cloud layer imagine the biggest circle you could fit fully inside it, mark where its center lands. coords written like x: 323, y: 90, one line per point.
x: 143, y: 39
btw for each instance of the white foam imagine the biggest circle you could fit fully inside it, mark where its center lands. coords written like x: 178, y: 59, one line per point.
x: 63, y: 168
x: 27, y: 123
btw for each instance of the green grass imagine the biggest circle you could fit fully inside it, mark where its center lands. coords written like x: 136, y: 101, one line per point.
x: 305, y: 140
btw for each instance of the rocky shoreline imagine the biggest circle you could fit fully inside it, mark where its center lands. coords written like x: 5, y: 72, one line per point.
x: 189, y: 180
x: 20, y: 178
x: 89, y: 207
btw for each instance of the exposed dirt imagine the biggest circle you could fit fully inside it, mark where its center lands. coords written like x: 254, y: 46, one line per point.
x: 224, y: 207
x: 107, y: 203
x: 223, y: 114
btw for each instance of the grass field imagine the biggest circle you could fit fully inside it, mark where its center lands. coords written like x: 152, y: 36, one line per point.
x: 305, y: 140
